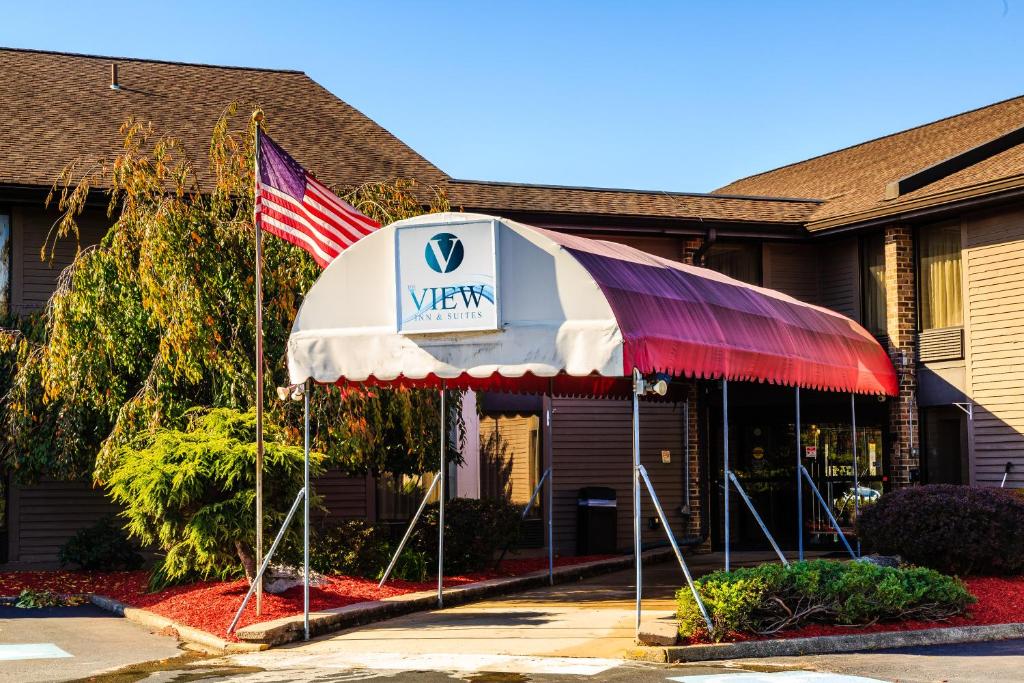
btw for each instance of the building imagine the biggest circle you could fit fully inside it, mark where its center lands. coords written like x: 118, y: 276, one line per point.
x: 918, y: 235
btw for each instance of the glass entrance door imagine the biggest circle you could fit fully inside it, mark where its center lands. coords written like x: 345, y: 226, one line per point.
x: 828, y: 457
x: 763, y: 456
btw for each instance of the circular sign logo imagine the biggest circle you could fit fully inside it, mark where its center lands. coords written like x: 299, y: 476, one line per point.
x: 444, y: 252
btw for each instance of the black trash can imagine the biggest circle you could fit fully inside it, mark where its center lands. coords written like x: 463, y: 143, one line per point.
x: 596, y: 518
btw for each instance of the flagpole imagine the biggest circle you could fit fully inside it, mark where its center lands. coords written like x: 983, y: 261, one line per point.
x: 259, y: 361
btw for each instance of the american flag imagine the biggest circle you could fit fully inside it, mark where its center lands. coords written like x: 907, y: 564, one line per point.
x: 291, y: 204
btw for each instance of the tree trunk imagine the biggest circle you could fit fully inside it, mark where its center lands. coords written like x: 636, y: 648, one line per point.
x: 248, y: 560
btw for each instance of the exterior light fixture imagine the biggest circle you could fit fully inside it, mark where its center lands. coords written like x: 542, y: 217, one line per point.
x: 296, y: 391
x: 658, y: 384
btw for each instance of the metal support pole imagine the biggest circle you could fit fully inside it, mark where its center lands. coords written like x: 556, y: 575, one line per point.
x: 760, y: 522
x: 305, y: 513
x: 408, y: 532
x: 725, y: 462
x: 799, y: 483
x: 549, y: 473
x: 440, y: 505
x: 259, y: 364
x: 637, y: 545
x: 266, y: 560
x: 824, y: 506
x: 675, y: 548
x: 856, y: 466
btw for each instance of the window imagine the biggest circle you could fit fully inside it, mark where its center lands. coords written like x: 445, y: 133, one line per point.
x: 740, y: 260
x: 5, y: 263
x: 872, y: 278
x: 938, y: 263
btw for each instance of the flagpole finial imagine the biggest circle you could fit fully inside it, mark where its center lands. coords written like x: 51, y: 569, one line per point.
x: 257, y: 116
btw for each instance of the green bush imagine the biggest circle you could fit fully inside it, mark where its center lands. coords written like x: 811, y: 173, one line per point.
x: 771, y: 597
x: 103, y: 547
x: 475, y: 531
x: 954, y: 529
x: 192, y: 493
x: 353, y: 548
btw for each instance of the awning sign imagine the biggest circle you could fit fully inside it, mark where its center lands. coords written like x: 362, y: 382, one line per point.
x: 447, y: 277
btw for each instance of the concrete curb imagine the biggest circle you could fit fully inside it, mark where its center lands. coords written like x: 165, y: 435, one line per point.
x: 207, y: 641
x: 289, y: 629
x: 819, y: 645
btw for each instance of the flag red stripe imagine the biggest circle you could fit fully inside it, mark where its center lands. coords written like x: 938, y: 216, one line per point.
x: 342, y: 238
x: 298, y: 237
x: 318, y: 210
x: 367, y: 224
x: 322, y: 242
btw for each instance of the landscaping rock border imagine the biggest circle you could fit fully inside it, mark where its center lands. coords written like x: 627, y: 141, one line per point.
x: 820, y: 645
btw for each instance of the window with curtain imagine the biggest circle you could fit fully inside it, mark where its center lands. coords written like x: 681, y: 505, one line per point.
x: 5, y: 263
x: 872, y: 277
x: 938, y: 260
x: 740, y: 260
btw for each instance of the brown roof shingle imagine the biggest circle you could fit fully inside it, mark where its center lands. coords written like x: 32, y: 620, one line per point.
x: 852, y: 181
x: 488, y: 196
x: 58, y: 107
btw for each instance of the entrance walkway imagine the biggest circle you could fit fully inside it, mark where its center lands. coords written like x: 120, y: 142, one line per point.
x: 590, y: 619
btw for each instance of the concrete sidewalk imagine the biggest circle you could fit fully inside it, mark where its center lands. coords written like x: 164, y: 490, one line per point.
x: 593, y: 618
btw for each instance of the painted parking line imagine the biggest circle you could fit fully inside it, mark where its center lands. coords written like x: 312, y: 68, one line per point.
x: 775, y: 677
x: 460, y: 663
x: 16, y: 651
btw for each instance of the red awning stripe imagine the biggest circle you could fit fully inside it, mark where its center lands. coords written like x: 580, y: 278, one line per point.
x: 687, y: 321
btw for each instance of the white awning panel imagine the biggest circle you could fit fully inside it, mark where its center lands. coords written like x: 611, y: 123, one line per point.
x: 554, y: 317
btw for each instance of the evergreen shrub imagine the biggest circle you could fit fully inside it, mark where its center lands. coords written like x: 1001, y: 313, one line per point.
x: 770, y: 598
x: 475, y: 531
x: 102, y: 547
x: 191, y: 492
x: 954, y: 529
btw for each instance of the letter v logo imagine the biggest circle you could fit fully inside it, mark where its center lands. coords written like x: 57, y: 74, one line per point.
x: 444, y: 252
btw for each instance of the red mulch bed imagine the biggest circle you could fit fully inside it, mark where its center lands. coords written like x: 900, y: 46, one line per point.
x: 210, y: 605
x: 1000, y: 601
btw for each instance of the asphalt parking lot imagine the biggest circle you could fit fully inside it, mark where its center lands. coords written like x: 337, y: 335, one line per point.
x: 67, y: 643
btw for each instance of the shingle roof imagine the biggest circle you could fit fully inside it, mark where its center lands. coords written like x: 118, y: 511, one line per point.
x: 852, y: 181
x: 58, y: 107
x: 488, y: 196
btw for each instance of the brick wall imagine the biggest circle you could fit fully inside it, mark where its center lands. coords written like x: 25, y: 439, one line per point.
x: 901, y: 316
x: 689, y: 247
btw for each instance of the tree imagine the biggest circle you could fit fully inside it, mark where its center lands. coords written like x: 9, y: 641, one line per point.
x: 158, y: 319
x: 190, y: 492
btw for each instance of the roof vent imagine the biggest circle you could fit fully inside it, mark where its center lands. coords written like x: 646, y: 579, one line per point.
x: 114, y: 85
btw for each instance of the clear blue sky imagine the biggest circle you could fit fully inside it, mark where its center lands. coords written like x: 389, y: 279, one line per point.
x: 661, y: 95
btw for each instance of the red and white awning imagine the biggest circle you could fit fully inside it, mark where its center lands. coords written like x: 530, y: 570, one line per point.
x: 578, y: 313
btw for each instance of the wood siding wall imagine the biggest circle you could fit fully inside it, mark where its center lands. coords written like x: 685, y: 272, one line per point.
x: 344, y: 497
x: 592, y: 446
x: 666, y: 247
x: 505, y: 452
x: 993, y: 269
x: 839, y: 277
x: 45, y: 515
x: 792, y: 269
x: 32, y: 279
